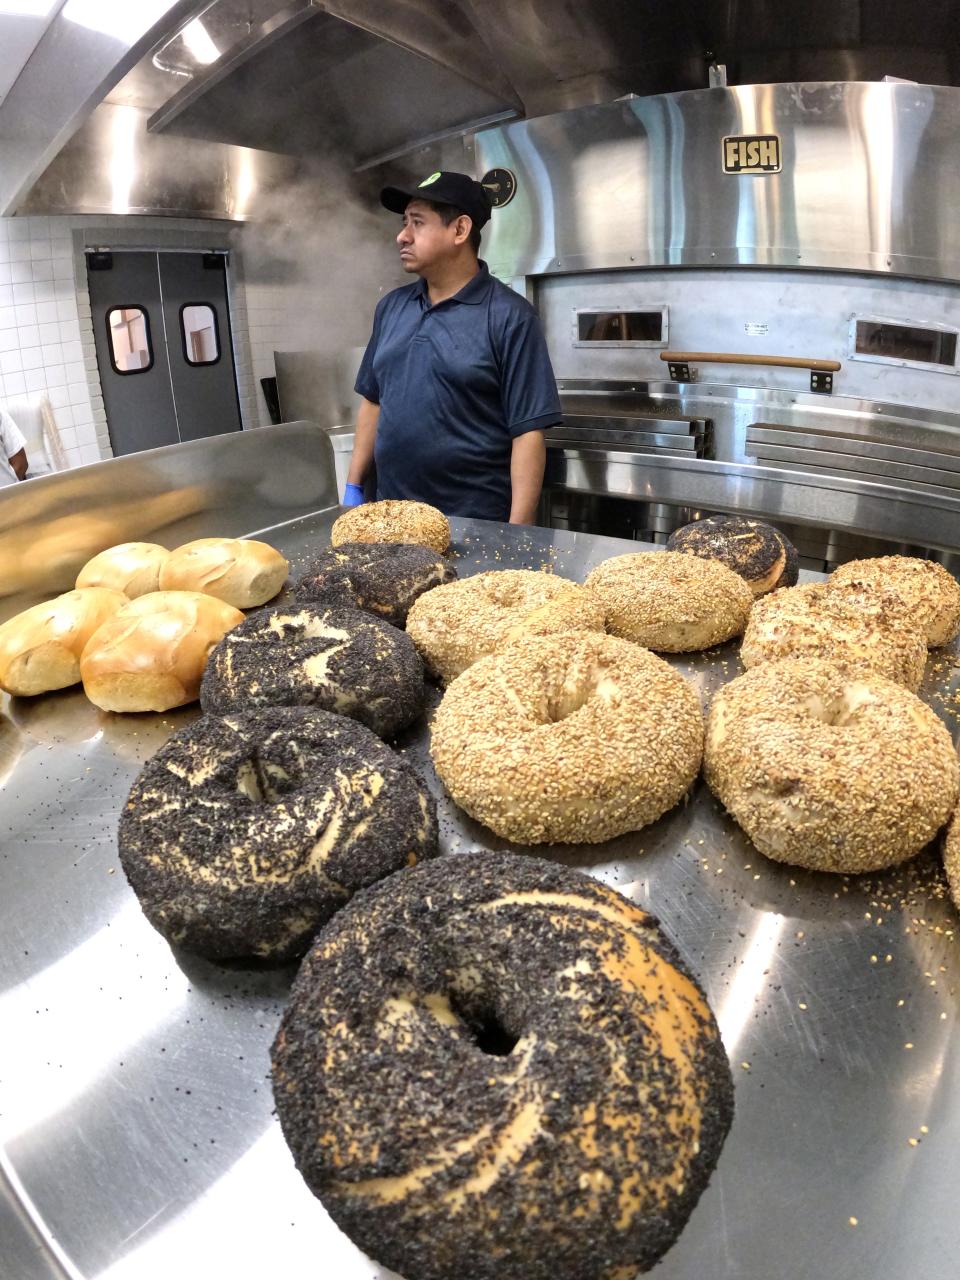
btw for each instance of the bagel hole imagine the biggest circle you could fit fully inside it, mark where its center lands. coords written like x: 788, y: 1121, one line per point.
x: 842, y: 708
x: 263, y: 781
x: 577, y: 692
x: 485, y: 1028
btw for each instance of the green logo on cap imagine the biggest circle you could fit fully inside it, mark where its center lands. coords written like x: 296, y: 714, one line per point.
x: 433, y: 177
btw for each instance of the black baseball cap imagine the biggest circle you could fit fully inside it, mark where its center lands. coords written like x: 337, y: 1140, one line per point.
x: 457, y: 189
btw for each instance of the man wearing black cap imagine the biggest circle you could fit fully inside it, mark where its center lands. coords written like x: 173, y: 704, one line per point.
x: 456, y: 382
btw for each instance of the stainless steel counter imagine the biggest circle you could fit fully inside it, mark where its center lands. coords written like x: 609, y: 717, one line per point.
x: 138, y: 1139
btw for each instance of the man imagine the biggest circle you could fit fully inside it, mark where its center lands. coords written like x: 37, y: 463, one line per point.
x: 456, y: 383
x: 13, y: 451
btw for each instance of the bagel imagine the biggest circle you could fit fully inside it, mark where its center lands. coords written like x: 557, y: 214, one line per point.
x: 951, y: 858
x: 829, y: 771
x: 40, y: 648
x: 551, y: 1091
x: 340, y: 660
x: 393, y: 520
x: 836, y: 623
x: 454, y: 625
x: 571, y: 738
x: 130, y: 567
x: 758, y: 552
x: 244, y: 834
x: 928, y: 594
x: 382, y: 578
x: 238, y: 571
x: 151, y: 654
x: 669, y: 602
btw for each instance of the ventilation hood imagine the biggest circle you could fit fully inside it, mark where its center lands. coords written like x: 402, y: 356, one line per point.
x: 224, y: 86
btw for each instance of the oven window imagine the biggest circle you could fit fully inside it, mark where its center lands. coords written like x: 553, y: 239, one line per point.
x: 638, y: 328
x: 886, y: 341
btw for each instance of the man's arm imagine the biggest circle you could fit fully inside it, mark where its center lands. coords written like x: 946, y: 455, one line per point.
x: 19, y: 463
x: 528, y: 457
x: 364, y: 441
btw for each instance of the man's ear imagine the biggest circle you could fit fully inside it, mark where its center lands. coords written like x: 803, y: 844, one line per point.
x: 464, y: 227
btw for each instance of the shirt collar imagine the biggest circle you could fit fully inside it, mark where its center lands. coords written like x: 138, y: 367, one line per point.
x: 473, y: 292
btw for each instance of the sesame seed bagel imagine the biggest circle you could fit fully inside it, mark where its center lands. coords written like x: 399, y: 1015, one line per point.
x: 951, y: 858
x: 456, y: 624
x: 670, y: 602
x: 928, y: 593
x: 758, y: 552
x: 393, y: 520
x: 829, y: 771
x: 572, y: 738
x: 551, y: 1093
x: 340, y: 660
x: 382, y: 578
x: 816, y: 621
x: 244, y: 834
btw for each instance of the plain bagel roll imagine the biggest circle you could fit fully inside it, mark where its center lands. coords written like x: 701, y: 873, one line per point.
x: 40, y: 648
x: 497, y: 1068
x: 455, y: 625
x: 151, y: 654
x: 830, y: 771
x: 928, y: 594
x: 238, y: 571
x: 571, y: 738
x: 758, y: 552
x: 130, y: 567
x: 244, y: 834
x: 670, y: 602
x: 818, y: 621
x: 340, y: 660
x: 382, y: 578
x: 393, y: 520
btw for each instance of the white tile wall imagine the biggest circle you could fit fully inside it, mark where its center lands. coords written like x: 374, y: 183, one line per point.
x: 41, y: 348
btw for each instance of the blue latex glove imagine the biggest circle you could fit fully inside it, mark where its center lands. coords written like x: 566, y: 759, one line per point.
x: 353, y: 495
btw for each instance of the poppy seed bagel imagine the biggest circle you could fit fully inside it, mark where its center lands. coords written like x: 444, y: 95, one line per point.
x: 245, y: 833
x: 495, y: 1067
x: 340, y: 660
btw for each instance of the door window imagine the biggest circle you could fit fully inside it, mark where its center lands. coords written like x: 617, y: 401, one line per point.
x: 200, y: 333
x: 128, y: 331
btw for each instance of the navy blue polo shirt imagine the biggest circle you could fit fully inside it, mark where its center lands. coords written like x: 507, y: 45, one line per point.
x: 456, y: 384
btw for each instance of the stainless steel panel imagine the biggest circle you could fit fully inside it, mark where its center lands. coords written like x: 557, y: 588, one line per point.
x: 932, y: 477
x: 759, y: 312
x: 135, y: 1109
x: 292, y: 88
x: 871, y: 175
x: 896, y: 511
x: 574, y: 432
x: 49, y: 527
x: 854, y: 445
x: 113, y: 165
x: 82, y: 54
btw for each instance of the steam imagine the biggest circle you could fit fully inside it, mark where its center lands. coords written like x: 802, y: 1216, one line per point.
x: 325, y: 251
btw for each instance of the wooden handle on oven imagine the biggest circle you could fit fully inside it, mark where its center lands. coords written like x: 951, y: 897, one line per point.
x: 731, y: 357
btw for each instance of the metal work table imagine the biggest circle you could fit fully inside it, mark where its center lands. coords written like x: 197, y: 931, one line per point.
x: 138, y: 1139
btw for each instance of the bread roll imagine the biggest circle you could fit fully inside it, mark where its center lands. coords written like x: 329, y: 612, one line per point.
x: 40, y: 648
x: 130, y: 567
x: 237, y: 570
x: 150, y: 656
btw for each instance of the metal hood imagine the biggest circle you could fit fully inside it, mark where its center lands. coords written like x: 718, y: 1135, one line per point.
x: 368, y: 80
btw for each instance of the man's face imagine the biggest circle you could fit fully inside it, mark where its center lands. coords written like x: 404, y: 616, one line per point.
x: 424, y: 241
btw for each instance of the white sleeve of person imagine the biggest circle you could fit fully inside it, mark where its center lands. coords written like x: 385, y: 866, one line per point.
x: 11, y: 442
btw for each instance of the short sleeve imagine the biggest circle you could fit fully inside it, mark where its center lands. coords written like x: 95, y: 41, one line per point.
x: 366, y: 384
x: 528, y: 388
x: 13, y: 438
